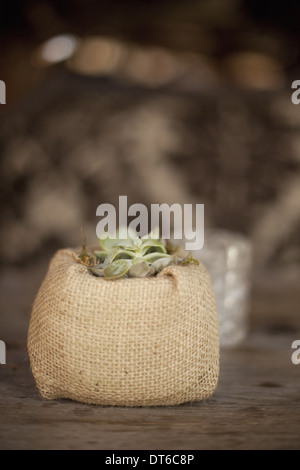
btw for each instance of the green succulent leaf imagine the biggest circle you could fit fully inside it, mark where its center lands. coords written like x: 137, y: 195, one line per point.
x: 151, y: 257
x: 107, y: 244
x: 150, y: 242
x: 123, y: 254
x: 138, y: 242
x: 162, y: 263
x: 109, y: 258
x: 124, y: 237
x: 101, y: 255
x: 140, y: 269
x: 137, y: 259
x: 127, y: 254
x: 126, y: 244
x: 153, y: 248
x: 117, y: 269
x: 96, y: 271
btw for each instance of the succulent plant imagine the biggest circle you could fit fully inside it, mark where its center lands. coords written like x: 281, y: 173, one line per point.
x: 129, y: 257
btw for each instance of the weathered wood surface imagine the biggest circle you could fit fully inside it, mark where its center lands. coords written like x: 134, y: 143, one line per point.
x: 256, y: 405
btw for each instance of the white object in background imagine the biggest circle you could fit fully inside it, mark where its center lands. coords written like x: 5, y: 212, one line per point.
x: 228, y: 259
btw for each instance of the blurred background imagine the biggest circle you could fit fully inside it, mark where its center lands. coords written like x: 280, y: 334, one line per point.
x: 165, y: 101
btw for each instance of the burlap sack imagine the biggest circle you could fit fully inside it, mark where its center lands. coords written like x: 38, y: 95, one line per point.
x: 128, y: 342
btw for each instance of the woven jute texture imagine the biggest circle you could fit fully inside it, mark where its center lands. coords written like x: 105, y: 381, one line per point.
x: 127, y: 342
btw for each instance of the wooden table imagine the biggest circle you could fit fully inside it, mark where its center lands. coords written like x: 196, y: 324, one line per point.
x: 256, y: 405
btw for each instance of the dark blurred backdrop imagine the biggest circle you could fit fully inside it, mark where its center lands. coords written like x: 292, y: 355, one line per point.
x: 162, y: 101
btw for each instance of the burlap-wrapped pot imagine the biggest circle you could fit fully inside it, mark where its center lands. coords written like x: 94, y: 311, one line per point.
x: 128, y: 342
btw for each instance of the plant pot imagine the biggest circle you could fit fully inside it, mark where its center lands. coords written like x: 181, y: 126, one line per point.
x: 127, y: 342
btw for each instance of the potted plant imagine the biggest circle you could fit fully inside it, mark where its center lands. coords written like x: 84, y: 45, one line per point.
x: 131, y: 324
